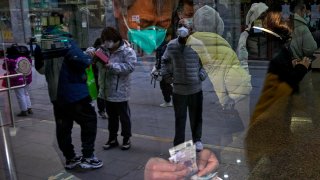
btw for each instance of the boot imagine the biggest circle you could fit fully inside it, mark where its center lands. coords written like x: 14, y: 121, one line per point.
x: 30, y: 111
x: 23, y: 113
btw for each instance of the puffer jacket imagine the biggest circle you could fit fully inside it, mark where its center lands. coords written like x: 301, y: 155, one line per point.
x: 302, y: 43
x: 12, y: 62
x: 184, y: 63
x: 229, y: 78
x: 114, y: 81
x: 66, y: 76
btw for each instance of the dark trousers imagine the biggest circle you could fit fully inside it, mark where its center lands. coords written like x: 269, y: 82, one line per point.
x: 84, y: 114
x: 192, y: 103
x: 101, y: 103
x: 118, y: 111
x: 166, y: 90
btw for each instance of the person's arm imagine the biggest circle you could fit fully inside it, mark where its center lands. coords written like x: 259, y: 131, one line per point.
x: 165, y: 63
x: 309, y: 45
x: 76, y: 58
x: 125, y: 67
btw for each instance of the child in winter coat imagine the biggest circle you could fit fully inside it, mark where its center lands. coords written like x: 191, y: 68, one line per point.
x: 17, y: 61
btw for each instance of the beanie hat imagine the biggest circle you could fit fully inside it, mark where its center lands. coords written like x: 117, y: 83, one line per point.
x: 207, y: 19
x: 255, y: 11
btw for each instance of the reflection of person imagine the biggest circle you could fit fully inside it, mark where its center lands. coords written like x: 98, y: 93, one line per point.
x: 71, y: 101
x: 303, y: 44
x: 165, y: 86
x: 230, y: 81
x: 184, y: 63
x: 158, y: 168
x: 114, y: 82
x: 269, y: 131
x: 100, y: 101
x: 12, y: 63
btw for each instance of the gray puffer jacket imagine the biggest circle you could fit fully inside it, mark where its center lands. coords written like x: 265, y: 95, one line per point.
x: 114, y: 80
x: 184, y: 63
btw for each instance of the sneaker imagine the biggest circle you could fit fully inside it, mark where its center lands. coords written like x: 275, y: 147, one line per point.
x: 111, y: 144
x: 102, y: 114
x: 30, y: 111
x: 72, y: 163
x: 23, y: 113
x: 126, y: 144
x: 199, y: 146
x: 166, y: 104
x: 91, y: 163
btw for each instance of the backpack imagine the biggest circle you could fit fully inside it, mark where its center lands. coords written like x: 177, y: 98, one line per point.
x: 18, y: 50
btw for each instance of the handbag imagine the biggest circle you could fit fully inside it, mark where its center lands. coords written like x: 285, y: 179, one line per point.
x: 91, y: 83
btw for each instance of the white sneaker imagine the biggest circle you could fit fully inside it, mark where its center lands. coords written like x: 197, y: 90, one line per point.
x: 166, y: 104
x: 199, y: 146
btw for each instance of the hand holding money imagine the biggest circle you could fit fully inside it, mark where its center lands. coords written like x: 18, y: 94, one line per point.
x: 161, y: 169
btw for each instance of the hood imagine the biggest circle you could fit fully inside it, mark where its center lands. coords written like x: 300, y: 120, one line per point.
x: 207, y: 19
x: 255, y: 11
x: 299, y: 20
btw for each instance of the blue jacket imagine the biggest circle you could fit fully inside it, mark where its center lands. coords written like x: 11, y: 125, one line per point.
x: 72, y: 85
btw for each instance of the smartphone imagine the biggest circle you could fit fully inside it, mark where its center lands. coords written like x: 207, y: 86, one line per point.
x: 100, y: 54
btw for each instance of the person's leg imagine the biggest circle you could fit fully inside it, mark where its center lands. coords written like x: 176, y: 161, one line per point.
x: 124, y: 111
x: 180, y: 111
x: 64, y: 124
x: 166, y: 90
x: 113, y: 120
x: 195, y: 115
x: 28, y: 101
x: 20, y: 94
x: 85, y: 115
x: 101, y: 104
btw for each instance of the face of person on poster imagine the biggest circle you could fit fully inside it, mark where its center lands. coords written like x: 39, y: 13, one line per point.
x: 145, y: 26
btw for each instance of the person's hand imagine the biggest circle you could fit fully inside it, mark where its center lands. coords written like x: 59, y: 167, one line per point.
x: 90, y: 51
x: 160, y: 169
x: 305, y: 61
x: 207, y: 162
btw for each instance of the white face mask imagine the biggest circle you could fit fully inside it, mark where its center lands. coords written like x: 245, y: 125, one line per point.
x: 183, y: 32
x: 109, y: 44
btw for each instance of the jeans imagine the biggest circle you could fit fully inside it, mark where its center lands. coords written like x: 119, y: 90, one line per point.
x: 118, y: 111
x: 101, y: 103
x: 23, y: 98
x: 192, y: 103
x: 83, y: 113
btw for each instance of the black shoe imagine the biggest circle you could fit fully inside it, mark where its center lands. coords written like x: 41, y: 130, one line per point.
x: 111, y: 144
x: 126, y: 144
x: 23, y: 113
x: 30, y: 111
x: 72, y: 163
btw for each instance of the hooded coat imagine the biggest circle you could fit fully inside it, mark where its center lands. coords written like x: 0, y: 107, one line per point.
x: 302, y: 43
x: 254, y: 13
x: 229, y: 79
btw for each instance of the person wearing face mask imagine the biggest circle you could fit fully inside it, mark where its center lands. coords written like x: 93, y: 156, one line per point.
x: 114, y: 83
x: 303, y: 44
x: 181, y: 60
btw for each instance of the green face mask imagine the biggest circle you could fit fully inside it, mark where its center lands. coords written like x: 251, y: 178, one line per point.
x: 147, y: 39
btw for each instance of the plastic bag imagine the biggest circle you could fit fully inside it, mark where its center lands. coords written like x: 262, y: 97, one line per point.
x: 91, y: 83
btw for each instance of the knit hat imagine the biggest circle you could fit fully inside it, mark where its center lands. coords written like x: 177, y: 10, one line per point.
x: 255, y: 11
x: 207, y: 19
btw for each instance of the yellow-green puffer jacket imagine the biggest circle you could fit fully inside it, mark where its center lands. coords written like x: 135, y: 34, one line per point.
x: 229, y: 78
